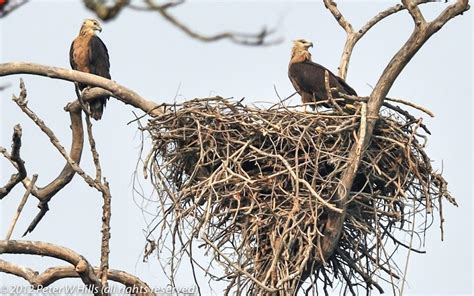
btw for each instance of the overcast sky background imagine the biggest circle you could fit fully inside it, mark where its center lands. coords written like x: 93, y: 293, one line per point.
x: 159, y: 62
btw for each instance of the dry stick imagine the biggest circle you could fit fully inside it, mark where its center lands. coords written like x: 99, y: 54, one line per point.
x: 81, y: 265
x: 105, y: 244
x: 106, y: 209
x: 20, y: 207
x: 329, y: 92
x: 95, y: 154
x: 17, y: 161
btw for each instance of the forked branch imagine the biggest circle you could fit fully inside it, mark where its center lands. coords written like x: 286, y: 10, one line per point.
x: 420, y: 35
x: 353, y: 36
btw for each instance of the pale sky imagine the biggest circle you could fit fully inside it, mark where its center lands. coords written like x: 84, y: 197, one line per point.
x: 159, y: 62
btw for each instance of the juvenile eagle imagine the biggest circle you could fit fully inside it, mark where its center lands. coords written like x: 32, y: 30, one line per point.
x: 89, y: 54
x: 307, y: 77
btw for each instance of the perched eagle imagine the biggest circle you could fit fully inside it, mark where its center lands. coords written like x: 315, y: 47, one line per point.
x: 307, y: 77
x: 89, y: 54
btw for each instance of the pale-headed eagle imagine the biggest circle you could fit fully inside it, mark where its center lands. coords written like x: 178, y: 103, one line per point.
x: 89, y: 54
x: 307, y: 77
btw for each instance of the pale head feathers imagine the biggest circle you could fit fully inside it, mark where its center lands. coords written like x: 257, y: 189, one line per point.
x: 300, y: 51
x: 90, y: 26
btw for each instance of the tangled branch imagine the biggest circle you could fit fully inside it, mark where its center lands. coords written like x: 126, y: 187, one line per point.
x: 260, y: 187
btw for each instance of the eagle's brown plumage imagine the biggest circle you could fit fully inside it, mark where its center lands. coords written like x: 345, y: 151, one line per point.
x: 307, y: 77
x: 89, y: 54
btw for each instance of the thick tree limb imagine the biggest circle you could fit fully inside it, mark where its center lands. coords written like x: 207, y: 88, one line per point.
x: 16, y: 159
x: 420, y: 35
x: 414, y: 11
x: 53, y: 274
x: 118, y: 91
x: 81, y: 265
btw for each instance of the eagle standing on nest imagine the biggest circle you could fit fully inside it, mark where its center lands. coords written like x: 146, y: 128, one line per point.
x: 89, y: 54
x: 307, y: 77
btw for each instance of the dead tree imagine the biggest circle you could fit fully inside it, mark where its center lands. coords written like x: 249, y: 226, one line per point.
x: 268, y: 174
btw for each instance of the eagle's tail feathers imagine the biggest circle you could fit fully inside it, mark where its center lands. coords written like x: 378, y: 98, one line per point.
x: 97, y: 108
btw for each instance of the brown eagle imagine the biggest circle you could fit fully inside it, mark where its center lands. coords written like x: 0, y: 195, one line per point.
x: 307, y: 77
x: 89, y: 54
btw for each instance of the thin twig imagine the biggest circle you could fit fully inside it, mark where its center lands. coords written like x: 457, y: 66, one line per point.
x: 20, y: 207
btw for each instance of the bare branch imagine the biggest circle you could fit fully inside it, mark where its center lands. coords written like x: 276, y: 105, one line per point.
x: 20, y: 207
x: 105, y: 244
x: 414, y: 11
x: 354, y: 36
x: 257, y: 39
x: 53, y: 274
x: 16, y: 159
x: 81, y: 265
x: 420, y: 35
x: 332, y: 6
x: 118, y: 91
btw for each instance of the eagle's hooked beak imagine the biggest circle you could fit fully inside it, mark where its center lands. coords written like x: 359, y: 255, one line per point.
x: 99, y: 28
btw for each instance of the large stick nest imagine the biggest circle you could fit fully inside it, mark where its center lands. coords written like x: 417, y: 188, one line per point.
x: 255, y: 187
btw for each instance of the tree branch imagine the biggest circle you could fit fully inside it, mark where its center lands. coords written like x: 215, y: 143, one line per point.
x: 53, y: 274
x: 81, y: 265
x: 16, y: 159
x: 354, y: 36
x: 414, y: 11
x: 118, y: 91
x: 332, y: 7
x: 20, y: 207
x: 257, y: 39
x: 420, y: 35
